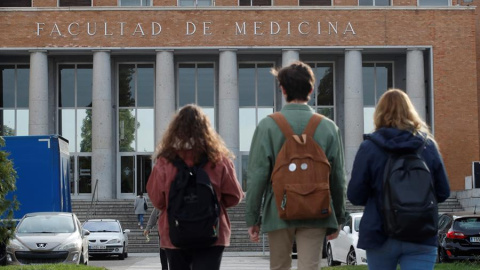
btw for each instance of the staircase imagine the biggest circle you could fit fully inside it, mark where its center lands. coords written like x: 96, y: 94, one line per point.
x: 123, y: 211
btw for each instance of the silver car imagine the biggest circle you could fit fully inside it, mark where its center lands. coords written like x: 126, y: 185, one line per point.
x: 107, y: 237
x: 48, y: 237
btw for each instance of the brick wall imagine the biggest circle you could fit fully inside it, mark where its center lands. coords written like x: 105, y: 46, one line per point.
x: 451, y: 33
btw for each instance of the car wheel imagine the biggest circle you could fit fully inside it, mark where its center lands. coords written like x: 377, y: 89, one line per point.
x: 351, y: 257
x: 442, y: 256
x: 3, y: 254
x: 121, y: 256
x: 125, y: 251
x: 330, y: 260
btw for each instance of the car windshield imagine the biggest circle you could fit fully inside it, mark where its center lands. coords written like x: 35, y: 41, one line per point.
x: 467, y: 224
x: 101, y: 226
x: 46, y: 224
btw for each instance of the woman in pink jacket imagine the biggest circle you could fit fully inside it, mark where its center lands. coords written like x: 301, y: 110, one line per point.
x: 189, y: 137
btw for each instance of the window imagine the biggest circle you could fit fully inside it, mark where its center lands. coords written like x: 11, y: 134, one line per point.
x: 75, y: 121
x: 16, y: 3
x: 74, y: 3
x: 195, y: 3
x: 255, y: 2
x: 315, y: 3
x: 136, y: 88
x: 434, y: 2
x: 257, y: 100
x: 323, y: 97
x: 135, y: 3
x: 377, y: 78
x: 14, y: 83
x: 196, y: 84
x: 374, y: 2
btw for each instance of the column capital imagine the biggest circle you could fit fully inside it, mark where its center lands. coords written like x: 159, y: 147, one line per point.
x: 415, y: 49
x: 353, y: 49
x: 164, y: 50
x: 101, y: 50
x: 38, y: 51
x: 286, y: 50
x: 227, y: 50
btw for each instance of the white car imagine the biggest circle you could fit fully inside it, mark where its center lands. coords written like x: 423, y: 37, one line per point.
x: 344, y: 249
x: 48, y: 237
x: 107, y: 238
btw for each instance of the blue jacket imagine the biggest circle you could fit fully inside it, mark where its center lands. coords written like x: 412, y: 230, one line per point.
x: 366, y: 183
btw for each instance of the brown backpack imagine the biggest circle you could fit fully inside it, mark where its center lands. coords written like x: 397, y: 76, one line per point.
x: 301, y: 175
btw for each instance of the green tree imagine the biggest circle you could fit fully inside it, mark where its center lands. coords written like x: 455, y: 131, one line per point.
x: 8, y: 177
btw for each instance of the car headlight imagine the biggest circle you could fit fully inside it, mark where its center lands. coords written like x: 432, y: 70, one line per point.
x: 73, y: 245
x: 16, y: 245
x: 114, y: 241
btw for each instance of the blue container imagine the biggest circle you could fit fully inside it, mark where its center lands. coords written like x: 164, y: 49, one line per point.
x: 43, y: 167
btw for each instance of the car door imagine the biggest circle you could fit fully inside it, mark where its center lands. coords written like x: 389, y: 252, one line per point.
x: 344, y: 241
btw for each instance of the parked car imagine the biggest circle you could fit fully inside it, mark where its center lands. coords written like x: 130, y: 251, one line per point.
x: 458, y: 236
x: 107, y: 238
x: 48, y: 237
x: 344, y: 249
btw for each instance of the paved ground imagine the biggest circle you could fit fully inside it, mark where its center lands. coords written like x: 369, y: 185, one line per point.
x: 230, y: 261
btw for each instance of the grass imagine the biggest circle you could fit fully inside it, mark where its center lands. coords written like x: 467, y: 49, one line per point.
x: 52, y: 267
x: 438, y: 266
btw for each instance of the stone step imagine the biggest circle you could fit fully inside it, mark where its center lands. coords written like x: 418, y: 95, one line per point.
x: 123, y: 211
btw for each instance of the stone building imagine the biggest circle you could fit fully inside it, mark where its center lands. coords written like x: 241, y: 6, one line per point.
x: 108, y: 74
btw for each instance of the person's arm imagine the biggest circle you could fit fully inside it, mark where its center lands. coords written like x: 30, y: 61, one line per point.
x: 358, y: 190
x: 231, y: 193
x: 337, y: 177
x: 156, y: 184
x: 441, y: 184
x: 258, y: 173
x: 152, y: 220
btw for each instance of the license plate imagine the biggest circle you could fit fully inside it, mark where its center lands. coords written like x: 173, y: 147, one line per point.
x: 98, y: 247
x: 475, y: 239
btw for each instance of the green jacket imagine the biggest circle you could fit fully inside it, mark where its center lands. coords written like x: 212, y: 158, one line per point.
x: 266, y: 143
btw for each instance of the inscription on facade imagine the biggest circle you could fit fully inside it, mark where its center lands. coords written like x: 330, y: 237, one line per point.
x: 206, y: 28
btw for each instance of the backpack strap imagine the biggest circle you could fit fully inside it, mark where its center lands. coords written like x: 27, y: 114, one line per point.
x: 313, y: 124
x: 282, y: 124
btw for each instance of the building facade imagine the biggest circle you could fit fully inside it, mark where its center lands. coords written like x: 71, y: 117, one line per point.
x: 109, y: 74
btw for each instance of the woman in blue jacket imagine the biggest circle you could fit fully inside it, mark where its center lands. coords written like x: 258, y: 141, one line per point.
x: 398, y: 127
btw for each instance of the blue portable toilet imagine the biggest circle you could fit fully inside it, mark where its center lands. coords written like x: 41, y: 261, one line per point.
x: 43, y: 168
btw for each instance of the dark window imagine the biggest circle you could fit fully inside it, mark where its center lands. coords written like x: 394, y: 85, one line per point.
x: 315, y: 3
x: 75, y: 3
x: 15, y: 3
x: 255, y: 2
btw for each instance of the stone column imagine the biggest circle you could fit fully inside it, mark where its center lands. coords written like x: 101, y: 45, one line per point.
x: 103, y: 156
x: 289, y: 56
x: 353, y: 106
x: 416, y: 81
x: 38, y: 93
x: 164, y: 92
x: 228, y: 102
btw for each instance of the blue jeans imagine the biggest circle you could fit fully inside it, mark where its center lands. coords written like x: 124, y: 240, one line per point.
x: 410, y: 256
x: 140, y: 219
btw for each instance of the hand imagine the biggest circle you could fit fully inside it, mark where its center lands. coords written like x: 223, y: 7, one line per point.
x: 334, y: 235
x: 146, y: 232
x: 254, y: 233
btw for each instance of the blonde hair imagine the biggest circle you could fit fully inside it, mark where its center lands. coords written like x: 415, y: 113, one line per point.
x: 190, y: 129
x: 395, y: 110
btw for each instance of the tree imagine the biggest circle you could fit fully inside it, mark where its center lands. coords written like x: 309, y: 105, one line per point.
x: 8, y: 177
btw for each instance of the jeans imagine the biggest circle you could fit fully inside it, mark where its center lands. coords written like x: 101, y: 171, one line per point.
x: 410, y: 256
x: 140, y: 219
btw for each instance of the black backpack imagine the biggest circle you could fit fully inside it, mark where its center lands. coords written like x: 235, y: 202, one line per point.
x: 193, y: 209
x: 410, y: 208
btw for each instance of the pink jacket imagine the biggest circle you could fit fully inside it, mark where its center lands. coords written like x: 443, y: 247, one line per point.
x: 223, y: 179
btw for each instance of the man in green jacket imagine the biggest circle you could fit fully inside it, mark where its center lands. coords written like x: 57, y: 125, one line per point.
x: 297, y: 83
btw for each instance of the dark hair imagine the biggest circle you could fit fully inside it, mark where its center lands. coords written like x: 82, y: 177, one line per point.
x: 297, y: 80
x: 190, y: 129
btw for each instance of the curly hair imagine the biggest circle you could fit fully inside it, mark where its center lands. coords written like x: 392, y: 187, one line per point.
x: 190, y: 129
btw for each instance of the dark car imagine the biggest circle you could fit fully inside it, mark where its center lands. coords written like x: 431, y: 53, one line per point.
x: 458, y: 236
